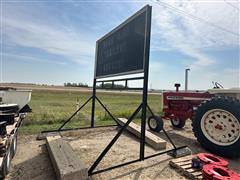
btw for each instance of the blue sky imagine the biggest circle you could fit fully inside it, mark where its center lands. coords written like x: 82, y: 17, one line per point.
x: 53, y: 42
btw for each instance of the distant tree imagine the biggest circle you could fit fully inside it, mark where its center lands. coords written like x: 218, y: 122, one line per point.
x: 109, y: 86
x: 68, y: 84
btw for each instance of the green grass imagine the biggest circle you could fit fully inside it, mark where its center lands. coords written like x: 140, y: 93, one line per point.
x: 51, y: 108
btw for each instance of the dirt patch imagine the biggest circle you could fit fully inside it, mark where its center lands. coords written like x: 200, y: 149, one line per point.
x: 90, y: 144
x: 32, y: 161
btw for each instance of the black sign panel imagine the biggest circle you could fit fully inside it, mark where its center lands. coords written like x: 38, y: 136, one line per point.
x: 122, y: 51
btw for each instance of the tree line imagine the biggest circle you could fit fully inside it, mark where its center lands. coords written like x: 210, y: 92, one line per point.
x: 68, y: 84
x: 110, y: 85
x: 105, y: 86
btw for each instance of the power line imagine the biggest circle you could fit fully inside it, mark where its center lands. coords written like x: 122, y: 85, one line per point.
x: 194, y: 17
x: 230, y: 4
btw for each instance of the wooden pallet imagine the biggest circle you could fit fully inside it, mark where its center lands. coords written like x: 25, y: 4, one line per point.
x: 184, y: 166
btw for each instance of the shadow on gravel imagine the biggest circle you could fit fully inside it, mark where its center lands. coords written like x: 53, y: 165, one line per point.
x: 196, y: 148
x: 37, y: 168
x: 137, y: 172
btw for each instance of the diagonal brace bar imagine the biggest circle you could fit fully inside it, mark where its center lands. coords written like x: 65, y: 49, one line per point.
x: 114, y: 167
x: 150, y: 110
x: 110, y: 114
x: 171, y: 141
x: 166, y: 134
x: 74, y: 114
x: 104, y: 152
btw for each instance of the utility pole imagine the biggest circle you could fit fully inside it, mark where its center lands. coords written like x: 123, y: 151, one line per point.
x: 186, y: 78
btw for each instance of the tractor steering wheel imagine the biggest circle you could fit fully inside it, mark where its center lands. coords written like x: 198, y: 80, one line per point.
x: 217, y: 85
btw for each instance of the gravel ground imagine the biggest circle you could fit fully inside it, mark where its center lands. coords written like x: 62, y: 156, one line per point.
x: 32, y: 160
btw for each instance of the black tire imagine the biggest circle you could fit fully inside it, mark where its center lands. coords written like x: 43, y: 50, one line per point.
x: 178, y: 123
x: 6, y: 166
x: 155, y: 123
x: 217, y: 106
x: 14, y: 146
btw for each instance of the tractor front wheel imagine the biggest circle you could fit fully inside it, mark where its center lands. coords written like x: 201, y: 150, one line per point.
x: 216, y: 125
x: 178, y: 122
x: 155, y: 123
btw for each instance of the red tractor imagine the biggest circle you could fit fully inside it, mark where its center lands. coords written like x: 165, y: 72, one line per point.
x: 215, y: 116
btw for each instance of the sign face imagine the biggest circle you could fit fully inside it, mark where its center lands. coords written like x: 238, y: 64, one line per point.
x: 122, y: 51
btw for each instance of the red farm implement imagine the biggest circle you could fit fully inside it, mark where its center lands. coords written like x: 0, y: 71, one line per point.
x: 215, y: 116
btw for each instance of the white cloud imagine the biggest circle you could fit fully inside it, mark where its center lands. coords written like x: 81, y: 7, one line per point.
x: 176, y: 32
x: 171, y: 32
x: 156, y: 66
x: 192, y: 37
x: 75, y: 46
x: 228, y: 78
x: 234, y: 75
x: 28, y: 58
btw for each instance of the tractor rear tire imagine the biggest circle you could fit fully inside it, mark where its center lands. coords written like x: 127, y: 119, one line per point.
x: 216, y: 125
x: 155, y: 123
x: 178, y: 123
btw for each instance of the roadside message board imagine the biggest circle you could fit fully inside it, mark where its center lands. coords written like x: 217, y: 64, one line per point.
x: 122, y: 51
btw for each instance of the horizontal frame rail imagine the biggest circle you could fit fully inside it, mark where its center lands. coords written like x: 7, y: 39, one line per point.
x: 114, y: 167
x: 124, y: 79
x: 134, y: 161
x: 132, y: 89
x: 160, y: 153
x: 72, y: 129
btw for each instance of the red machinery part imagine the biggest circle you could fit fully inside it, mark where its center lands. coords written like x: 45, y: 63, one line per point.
x: 181, y: 104
x: 215, y: 172
x: 212, y: 159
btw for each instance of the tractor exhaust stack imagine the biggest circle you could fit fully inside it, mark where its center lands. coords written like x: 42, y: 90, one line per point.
x: 186, y: 79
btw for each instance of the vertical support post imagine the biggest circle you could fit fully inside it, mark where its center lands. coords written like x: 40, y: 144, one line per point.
x: 126, y: 84
x: 112, y: 84
x: 145, y: 81
x: 93, y: 102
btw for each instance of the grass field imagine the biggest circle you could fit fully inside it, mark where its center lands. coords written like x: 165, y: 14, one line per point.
x: 51, y: 108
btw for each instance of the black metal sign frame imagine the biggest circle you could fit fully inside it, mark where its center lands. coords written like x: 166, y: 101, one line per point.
x: 143, y: 107
x: 112, y: 33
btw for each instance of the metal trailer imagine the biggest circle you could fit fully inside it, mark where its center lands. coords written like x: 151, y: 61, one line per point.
x: 8, y: 146
x: 11, y: 116
x: 215, y: 116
